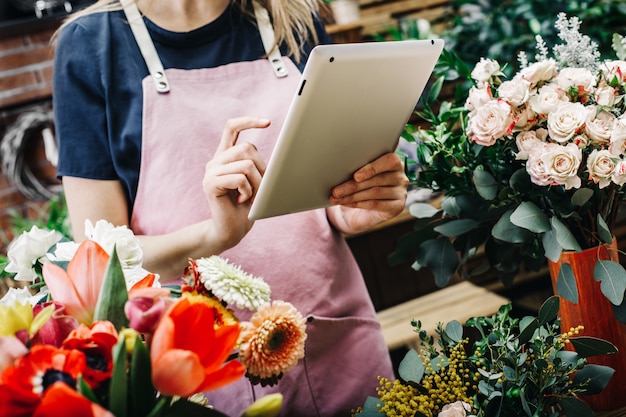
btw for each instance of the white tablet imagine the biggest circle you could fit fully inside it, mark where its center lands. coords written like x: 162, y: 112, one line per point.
x: 351, y: 107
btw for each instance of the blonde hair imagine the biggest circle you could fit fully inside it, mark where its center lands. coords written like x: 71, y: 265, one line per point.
x: 292, y: 19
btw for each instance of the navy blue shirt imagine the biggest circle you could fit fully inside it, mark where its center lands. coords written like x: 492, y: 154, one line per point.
x: 97, y: 93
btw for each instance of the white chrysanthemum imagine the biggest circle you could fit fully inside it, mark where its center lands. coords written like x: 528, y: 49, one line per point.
x: 231, y: 284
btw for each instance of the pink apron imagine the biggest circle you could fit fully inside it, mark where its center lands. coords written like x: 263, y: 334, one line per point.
x: 303, y: 259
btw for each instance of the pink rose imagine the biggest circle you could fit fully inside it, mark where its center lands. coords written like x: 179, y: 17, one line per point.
x: 456, y: 409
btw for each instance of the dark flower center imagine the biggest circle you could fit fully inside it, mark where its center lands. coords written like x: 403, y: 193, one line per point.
x: 97, y: 362
x: 276, y: 340
x: 52, y: 375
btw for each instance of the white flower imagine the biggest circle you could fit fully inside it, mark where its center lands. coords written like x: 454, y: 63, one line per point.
x: 491, y: 122
x: 536, y: 167
x: 478, y: 97
x: 64, y: 252
x: 136, y: 274
x: 456, y: 409
x: 22, y: 296
x: 578, y: 78
x: 601, y: 165
x: 27, y: 249
x: 618, y: 137
x: 127, y: 246
x: 231, y: 284
x: 619, y: 174
x: 605, y: 95
x: 547, y: 99
x: 614, y: 69
x: 485, y: 69
x: 599, y: 126
x: 515, y: 91
x: 562, y: 163
x: 566, y: 121
x: 524, y: 118
x: 528, y: 140
x: 539, y: 71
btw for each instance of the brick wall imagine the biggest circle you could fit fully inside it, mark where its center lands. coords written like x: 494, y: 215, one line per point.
x: 25, y: 86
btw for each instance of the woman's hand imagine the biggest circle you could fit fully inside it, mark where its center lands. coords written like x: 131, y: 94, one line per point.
x: 376, y: 192
x: 231, y: 180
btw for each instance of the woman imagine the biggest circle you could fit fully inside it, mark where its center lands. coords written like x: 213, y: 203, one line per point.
x: 166, y: 111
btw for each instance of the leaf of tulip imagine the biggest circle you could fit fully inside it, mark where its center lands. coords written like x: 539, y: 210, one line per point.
x: 85, y: 390
x: 587, y: 346
x: 531, y: 217
x: 612, y: 277
x: 566, y: 284
x: 598, y: 377
x: 574, y: 407
x: 113, y: 294
x: 118, y: 389
x: 186, y: 408
x: 142, y: 392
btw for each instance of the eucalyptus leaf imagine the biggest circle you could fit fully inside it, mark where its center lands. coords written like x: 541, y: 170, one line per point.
x: 456, y: 227
x: 450, y: 205
x: 506, y: 231
x: 598, y: 376
x: 551, y: 246
x: 587, y: 346
x: 612, y: 277
x: 440, y: 257
x: 527, y: 329
x: 423, y: 210
x: 549, y: 310
x: 564, y: 236
x: 113, y: 295
x: 573, y: 407
x: 371, y: 407
x: 485, y: 184
x: 528, y: 216
x: 566, y: 285
x: 581, y: 196
x: 603, y: 230
x: 454, y: 330
x: 568, y: 356
x: 620, y: 312
x: 411, y: 368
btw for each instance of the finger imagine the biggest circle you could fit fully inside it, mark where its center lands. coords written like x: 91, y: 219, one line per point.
x: 236, y: 185
x: 373, y: 194
x: 233, y: 127
x: 384, y: 180
x: 387, y: 162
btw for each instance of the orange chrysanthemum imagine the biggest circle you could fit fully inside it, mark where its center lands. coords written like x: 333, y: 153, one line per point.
x: 272, y: 342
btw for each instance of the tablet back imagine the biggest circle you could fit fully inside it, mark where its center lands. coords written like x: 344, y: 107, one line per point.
x: 351, y: 107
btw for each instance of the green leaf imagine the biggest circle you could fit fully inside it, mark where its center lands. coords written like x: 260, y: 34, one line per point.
x: 620, y: 312
x: 612, y: 277
x: 506, y: 231
x: 435, y: 89
x: 118, y: 388
x: 568, y: 356
x: 603, y: 230
x: 371, y: 408
x: 411, y: 368
x: 531, y: 217
x: 587, y: 346
x: 454, y: 330
x: 573, y: 407
x: 618, y: 46
x: 84, y: 389
x: 598, y: 377
x: 549, y: 310
x: 440, y: 257
x: 142, y: 392
x: 423, y: 210
x: 456, y: 227
x: 528, y: 326
x: 551, y: 246
x: 566, y: 284
x: 581, y: 196
x: 565, y: 238
x: 486, y: 184
x: 186, y: 408
x: 451, y: 206
x: 113, y: 294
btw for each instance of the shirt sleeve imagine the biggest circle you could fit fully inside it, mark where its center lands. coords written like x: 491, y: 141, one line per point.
x: 79, y: 105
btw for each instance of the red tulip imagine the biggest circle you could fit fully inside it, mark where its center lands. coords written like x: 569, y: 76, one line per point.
x: 188, y: 342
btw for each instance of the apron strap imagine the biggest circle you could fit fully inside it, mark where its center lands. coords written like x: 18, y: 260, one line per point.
x: 146, y: 46
x: 267, y: 36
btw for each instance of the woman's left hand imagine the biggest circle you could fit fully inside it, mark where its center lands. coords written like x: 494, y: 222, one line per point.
x: 376, y: 192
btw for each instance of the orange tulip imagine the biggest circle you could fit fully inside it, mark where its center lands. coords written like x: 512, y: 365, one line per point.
x: 78, y: 288
x: 186, y: 342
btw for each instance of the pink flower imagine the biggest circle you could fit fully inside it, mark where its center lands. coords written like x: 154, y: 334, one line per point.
x: 144, y: 313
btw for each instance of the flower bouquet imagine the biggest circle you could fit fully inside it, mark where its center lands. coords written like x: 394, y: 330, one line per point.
x: 100, y: 336
x: 504, y: 367
x: 530, y: 166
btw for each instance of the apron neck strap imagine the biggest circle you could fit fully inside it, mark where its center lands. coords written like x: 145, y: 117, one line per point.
x: 153, y: 62
x: 146, y: 46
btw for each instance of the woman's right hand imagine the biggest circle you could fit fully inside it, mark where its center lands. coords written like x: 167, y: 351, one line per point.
x: 231, y: 180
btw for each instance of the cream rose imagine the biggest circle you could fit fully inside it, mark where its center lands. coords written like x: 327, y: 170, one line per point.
x: 539, y: 71
x: 536, y: 167
x: 478, y: 97
x: 605, y: 95
x: 601, y: 165
x: 615, y: 68
x: 566, y: 120
x: 617, y: 144
x: 599, y: 126
x: 562, y: 163
x: 547, y: 99
x: 524, y: 118
x: 619, y: 173
x: 516, y: 91
x: 491, y: 122
x: 456, y: 409
x: 485, y: 69
x: 528, y: 140
x: 579, y: 78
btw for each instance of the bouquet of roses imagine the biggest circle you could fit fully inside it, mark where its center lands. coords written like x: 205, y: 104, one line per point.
x: 102, y: 337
